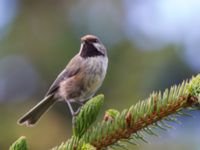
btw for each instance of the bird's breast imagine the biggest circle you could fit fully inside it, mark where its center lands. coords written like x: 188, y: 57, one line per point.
x: 83, y: 85
x: 95, y: 72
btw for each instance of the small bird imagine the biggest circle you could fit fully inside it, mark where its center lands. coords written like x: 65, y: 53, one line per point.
x: 77, y: 83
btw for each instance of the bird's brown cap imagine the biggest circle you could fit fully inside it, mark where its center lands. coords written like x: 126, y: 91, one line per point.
x: 89, y: 38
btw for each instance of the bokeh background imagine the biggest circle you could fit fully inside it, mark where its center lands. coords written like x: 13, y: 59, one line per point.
x: 152, y: 44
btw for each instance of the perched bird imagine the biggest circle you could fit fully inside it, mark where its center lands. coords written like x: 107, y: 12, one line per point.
x: 77, y: 83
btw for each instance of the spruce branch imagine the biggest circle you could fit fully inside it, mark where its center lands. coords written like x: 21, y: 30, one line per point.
x: 144, y: 117
x: 134, y: 123
x: 155, y: 111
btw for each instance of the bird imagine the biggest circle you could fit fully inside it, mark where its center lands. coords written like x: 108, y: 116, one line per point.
x: 77, y: 83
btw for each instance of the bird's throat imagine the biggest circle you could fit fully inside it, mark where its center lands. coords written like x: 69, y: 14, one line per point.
x: 89, y: 50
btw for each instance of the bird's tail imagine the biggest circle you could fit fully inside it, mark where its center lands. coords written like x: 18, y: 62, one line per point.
x: 32, y: 116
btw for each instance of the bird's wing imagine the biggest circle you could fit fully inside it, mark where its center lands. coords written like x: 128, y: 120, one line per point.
x: 72, y: 69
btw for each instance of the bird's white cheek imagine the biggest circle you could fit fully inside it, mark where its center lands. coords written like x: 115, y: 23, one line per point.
x: 81, y: 48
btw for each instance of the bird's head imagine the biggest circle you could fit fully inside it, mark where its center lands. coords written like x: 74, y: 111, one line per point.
x: 91, y: 46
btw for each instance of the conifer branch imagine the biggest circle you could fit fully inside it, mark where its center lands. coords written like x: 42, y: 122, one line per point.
x: 131, y: 125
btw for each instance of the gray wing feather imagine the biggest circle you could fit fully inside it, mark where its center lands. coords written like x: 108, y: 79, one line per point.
x: 71, y: 70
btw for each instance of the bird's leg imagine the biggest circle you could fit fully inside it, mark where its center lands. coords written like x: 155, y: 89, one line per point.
x: 70, y: 107
x: 81, y: 103
x: 73, y: 113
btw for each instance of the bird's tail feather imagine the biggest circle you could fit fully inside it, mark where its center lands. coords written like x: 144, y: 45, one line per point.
x: 32, y: 116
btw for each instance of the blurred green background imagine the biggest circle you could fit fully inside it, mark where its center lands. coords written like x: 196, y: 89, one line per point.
x: 151, y: 46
